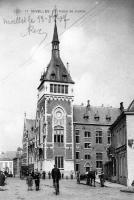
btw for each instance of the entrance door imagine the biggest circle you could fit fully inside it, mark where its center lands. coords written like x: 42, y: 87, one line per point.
x: 87, y: 169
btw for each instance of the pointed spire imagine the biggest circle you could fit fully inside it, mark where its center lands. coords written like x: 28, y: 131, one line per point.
x: 55, y: 35
x: 55, y: 41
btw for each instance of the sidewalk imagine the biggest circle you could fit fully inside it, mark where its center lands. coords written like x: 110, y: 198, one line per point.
x: 112, y: 185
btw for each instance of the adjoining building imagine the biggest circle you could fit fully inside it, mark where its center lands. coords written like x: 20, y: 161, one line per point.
x: 17, y: 162
x: 28, y: 143
x: 121, y: 152
x: 92, y: 135
x: 6, y: 162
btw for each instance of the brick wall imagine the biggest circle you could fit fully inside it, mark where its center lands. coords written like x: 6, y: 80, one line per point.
x: 53, y: 103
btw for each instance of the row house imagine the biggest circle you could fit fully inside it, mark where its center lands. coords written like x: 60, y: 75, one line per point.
x: 28, y: 146
x: 121, y: 151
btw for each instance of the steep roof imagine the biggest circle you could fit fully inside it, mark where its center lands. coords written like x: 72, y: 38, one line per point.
x: 131, y: 107
x: 7, y: 156
x: 56, y: 70
x: 55, y: 34
x: 95, y: 115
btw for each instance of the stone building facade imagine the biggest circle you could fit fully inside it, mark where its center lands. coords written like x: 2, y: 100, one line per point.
x: 28, y: 146
x: 122, y: 147
x: 74, y: 137
x: 92, y: 136
x: 54, y: 116
x: 6, y: 161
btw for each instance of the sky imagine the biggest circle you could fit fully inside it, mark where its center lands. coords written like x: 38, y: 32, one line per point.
x: 96, y: 39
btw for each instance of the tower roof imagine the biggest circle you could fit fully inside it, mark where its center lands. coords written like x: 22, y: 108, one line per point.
x: 55, y: 34
x: 56, y: 70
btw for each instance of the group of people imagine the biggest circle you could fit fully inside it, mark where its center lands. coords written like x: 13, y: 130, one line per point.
x: 56, y: 176
x: 33, y: 176
x: 91, y: 175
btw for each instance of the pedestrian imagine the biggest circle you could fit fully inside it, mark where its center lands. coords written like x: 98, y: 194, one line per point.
x: 37, y: 180
x: 56, y: 176
x: 32, y: 174
x: 62, y: 175
x: 2, y: 179
x: 43, y: 175
x: 49, y: 175
x: 78, y: 177
x: 102, y: 178
x: 29, y: 181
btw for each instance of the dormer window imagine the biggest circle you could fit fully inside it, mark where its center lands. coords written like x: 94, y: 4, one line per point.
x: 96, y: 116
x: 86, y: 116
x: 64, y: 76
x: 108, y: 117
x: 53, y: 76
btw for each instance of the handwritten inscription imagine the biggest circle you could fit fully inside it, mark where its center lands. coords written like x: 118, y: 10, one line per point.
x: 32, y: 29
x: 35, y: 17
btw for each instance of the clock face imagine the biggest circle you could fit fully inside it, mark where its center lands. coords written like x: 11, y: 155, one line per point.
x: 59, y: 114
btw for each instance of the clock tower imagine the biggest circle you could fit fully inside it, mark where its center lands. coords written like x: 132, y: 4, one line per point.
x: 54, y: 118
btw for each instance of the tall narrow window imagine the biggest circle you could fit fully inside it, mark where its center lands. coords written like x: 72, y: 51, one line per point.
x: 108, y: 137
x: 59, y: 162
x: 77, y: 166
x: 77, y: 136
x: 51, y: 87
x: 55, y: 88
x: 99, y: 163
x: 98, y: 137
x: 62, y: 89
x: 77, y: 154
x: 66, y: 89
x: 59, y: 88
x: 58, y: 135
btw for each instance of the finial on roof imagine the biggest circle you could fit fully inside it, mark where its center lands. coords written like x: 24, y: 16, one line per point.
x: 121, y: 107
x: 68, y: 67
x: 88, y: 105
x: 55, y: 13
x: 55, y: 41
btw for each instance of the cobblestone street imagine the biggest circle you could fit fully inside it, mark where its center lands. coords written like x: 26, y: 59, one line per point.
x: 16, y: 189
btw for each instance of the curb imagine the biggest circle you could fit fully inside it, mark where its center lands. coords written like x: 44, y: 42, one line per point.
x: 131, y: 190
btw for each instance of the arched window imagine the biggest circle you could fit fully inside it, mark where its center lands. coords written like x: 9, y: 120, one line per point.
x: 59, y: 125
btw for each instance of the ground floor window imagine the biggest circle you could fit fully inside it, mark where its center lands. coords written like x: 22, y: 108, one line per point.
x: 77, y: 167
x: 59, y: 162
x: 99, y: 162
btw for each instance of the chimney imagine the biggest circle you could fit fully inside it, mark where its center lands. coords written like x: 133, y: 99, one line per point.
x: 121, y: 107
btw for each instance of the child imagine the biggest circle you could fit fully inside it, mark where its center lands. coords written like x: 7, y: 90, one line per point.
x: 29, y: 182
